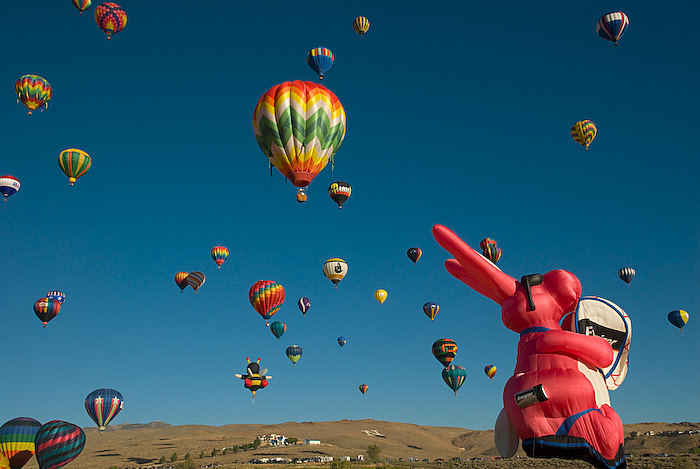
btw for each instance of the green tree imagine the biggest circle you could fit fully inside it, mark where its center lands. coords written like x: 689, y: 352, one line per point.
x: 235, y: 449
x: 695, y: 450
x: 187, y: 456
x: 201, y: 455
x: 214, y: 452
x: 256, y: 443
x: 173, y: 458
x: 189, y: 464
x: 113, y: 467
x: 161, y: 460
x: 225, y: 451
x: 373, y: 452
x: 682, y: 463
x: 292, y: 441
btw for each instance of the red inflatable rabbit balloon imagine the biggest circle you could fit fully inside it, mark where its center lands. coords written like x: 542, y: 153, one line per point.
x: 557, y: 401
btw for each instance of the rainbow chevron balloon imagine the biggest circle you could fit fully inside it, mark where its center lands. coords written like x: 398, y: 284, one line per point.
x: 33, y: 91
x: 299, y: 126
x: 110, y: 18
x: 584, y: 132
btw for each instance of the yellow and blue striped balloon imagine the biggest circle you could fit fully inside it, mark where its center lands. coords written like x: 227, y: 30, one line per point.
x: 678, y: 318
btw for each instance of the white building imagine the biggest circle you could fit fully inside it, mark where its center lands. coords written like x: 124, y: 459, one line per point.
x: 312, y: 442
x: 273, y: 439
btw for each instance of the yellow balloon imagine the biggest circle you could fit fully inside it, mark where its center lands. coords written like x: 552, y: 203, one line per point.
x: 381, y: 295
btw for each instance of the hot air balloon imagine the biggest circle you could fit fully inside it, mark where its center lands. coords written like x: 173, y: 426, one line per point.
x: 33, y: 91
x: 294, y: 354
x: 74, y: 163
x: 444, y: 350
x: 102, y: 405
x: 678, y: 318
x: 341, y: 341
x: 304, y: 304
x: 299, y: 126
x: 612, y: 26
x: 57, y: 295
x: 195, y: 280
x: 219, y: 254
x: 339, y: 191
x: 8, y: 186
x: 335, y: 270
x: 320, y: 60
x: 414, y: 254
x: 82, y: 5
x: 584, y: 132
x: 181, y: 280
x: 110, y: 18
x: 360, y: 25
x: 490, y: 250
x: 4, y: 462
x: 17, y: 440
x: 254, y: 378
x: 626, y: 274
x: 363, y: 388
x: 278, y: 328
x: 46, y: 309
x: 301, y: 195
x: 454, y: 376
x: 380, y: 295
x: 267, y: 297
x: 490, y: 371
x: 431, y: 309
x: 58, y: 443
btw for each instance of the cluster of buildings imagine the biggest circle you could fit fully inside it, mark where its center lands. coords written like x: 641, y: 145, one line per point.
x: 669, y: 433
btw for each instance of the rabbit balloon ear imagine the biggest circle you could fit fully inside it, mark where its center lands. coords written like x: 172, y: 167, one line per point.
x: 474, y: 269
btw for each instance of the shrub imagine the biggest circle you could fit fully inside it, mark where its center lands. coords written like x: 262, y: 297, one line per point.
x: 214, y: 452
x: 235, y: 449
x: 256, y: 443
x: 187, y: 457
x: 161, y: 460
x: 173, y: 458
x: 292, y: 441
x: 373, y: 452
x: 201, y: 455
x: 338, y: 464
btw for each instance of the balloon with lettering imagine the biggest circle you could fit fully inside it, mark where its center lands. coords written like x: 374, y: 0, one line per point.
x: 181, y: 280
x: 626, y: 274
x: 9, y: 185
x: 46, y: 309
x: 219, y: 254
x: 454, y: 376
x: 266, y: 297
x: 414, y: 254
x: 381, y: 295
x: 339, y: 191
x: 33, y: 91
x: 431, y: 309
x: 102, y: 405
x: 490, y: 371
x: 335, y: 270
x: 678, y: 318
x: 557, y: 400
x: 360, y: 25
x: 612, y: 26
x: 58, y: 443
x: 17, y: 440
x: 294, y: 353
x: 278, y: 328
x: 110, y: 18
x: 445, y: 350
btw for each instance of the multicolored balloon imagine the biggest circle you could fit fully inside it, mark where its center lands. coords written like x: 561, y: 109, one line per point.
x: 9, y: 185
x: 678, y: 318
x: 381, y: 295
x: 363, y: 388
x: 181, y: 280
x: 335, y: 270
x: 612, y: 26
x: 110, y: 18
x: 320, y: 60
x: 339, y: 191
x: 58, y: 443
x: 490, y: 371
x: 46, y: 309
x: 431, y: 309
x: 102, y: 405
x: 294, y: 354
x: 304, y: 304
x: 454, y: 377
x: 414, y: 254
x: 278, y: 328
x: 445, y: 350
x: 626, y: 274
x: 342, y: 341
x: 299, y: 126
x: 17, y: 440
x: 33, y: 91
x: 82, y: 5
x: 74, y: 163
x: 266, y: 297
x: 584, y: 132
x: 57, y: 295
x: 360, y: 25
x: 196, y: 280
x: 219, y: 254
x: 4, y: 462
x: 490, y: 249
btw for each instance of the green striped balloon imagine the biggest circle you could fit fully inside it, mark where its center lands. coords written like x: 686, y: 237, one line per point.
x: 74, y: 163
x: 58, y: 443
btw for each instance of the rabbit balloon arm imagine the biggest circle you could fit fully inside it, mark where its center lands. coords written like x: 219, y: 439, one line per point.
x: 592, y: 350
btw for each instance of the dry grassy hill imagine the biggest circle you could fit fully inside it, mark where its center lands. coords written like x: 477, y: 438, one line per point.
x: 129, y: 445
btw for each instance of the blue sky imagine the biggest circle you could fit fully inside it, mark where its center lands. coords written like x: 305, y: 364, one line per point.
x: 457, y: 113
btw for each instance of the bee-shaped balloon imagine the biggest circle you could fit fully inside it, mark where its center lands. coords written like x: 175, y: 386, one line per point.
x: 255, y: 377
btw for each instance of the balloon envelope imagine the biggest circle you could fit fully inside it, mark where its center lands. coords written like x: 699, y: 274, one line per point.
x: 320, y: 60
x: 626, y: 274
x: 57, y: 295
x: 360, y: 25
x: 381, y: 295
x: 414, y: 254
x: 219, y: 254
x: 431, y: 309
x: 363, y: 388
x: 102, y: 405
x: 278, y: 328
x: 181, y: 280
x: 341, y: 341
x: 490, y: 370
x: 17, y: 440
x: 454, y: 377
x: 294, y: 353
x: 335, y: 270
x: 339, y: 191
x: 584, y: 132
x: 33, y: 91
x: 82, y: 5
x: 9, y: 185
x: 58, y: 443
x: 304, y: 304
x: 612, y: 26
x: 110, y: 18
x: 74, y: 163
x: 445, y: 350
x: 266, y: 297
x: 46, y: 309
x: 195, y: 280
x: 678, y: 318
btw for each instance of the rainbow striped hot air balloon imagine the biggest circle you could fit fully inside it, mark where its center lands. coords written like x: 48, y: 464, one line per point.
x: 110, y: 18
x: 490, y: 249
x: 320, y: 60
x: 46, y: 309
x: 219, y: 254
x: 490, y: 371
x: 299, y: 126
x: 360, y: 25
x: 584, y: 132
x: 266, y: 297
x: 612, y: 26
x: 363, y: 388
x: 58, y: 443
x: 9, y: 185
x: 102, y: 405
x: 74, y: 163
x: 17, y: 440
x: 82, y: 5
x: 33, y: 91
